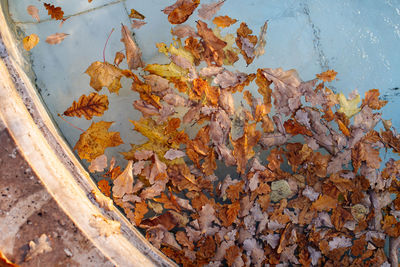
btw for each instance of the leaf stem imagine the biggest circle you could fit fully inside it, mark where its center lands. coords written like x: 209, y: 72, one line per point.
x: 76, y: 127
x: 105, y: 45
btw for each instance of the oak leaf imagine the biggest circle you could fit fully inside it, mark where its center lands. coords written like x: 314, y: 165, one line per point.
x: 246, y: 42
x: 34, y: 12
x: 55, y: 12
x: 372, y: 99
x: 30, y: 41
x: 231, y: 254
x: 94, y: 141
x: 140, y: 210
x: 224, y: 21
x: 104, y: 74
x: 209, y: 164
x: 133, y: 53
x: 213, y: 45
x: 104, y: 187
x: 232, y: 212
x: 104, y: 202
x: 88, y: 106
x: 169, y: 203
x: 123, y: 184
x: 324, y: 202
x: 56, y: 38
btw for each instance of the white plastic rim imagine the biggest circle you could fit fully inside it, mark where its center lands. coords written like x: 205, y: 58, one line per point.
x: 50, y: 157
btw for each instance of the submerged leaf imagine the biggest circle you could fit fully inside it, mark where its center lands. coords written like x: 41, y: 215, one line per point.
x: 88, y: 106
x: 55, y: 12
x: 56, y: 38
x: 179, y: 12
x: 34, y: 12
x: 133, y: 53
x: 104, y: 74
x: 207, y: 11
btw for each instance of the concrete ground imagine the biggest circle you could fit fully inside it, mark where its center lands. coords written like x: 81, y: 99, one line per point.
x: 27, y: 211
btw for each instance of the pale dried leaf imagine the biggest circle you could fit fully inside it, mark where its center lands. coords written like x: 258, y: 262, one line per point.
x: 98, y: 164
x: 39, y: 247
x: 174, y: 154
x: 207, y: 11
x: 104, y: 226
x: 123, y: 184
x: 34, y: 12
x: 104, y: 202
x: 56, y: 38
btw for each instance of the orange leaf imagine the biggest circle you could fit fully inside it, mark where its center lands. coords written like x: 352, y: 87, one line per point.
x: 140, y: 210
x: 209, y: 164
x: 88, y: 106
x: 94, y: 141
x: 233, y: 191
x: 224, y: 21
x: 343, y: 128
x: 324, y: 202
x: 231, y: 255
x: 183, y: 11
x: 232, y: 212
x: 104, y: 187
x: 372, y: 99
x: 168, y: 202
x: 104, y: 74
x: 327, y: 76
x: 55, y: 12
x: 247, y: 50
x: 294, y: 128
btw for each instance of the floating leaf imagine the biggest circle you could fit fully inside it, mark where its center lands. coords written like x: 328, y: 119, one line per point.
x: 246, y: 42
x: 34, y: 12
x: 98, y: 164
x: 349, y: 107
x: 140, y: 210
x: 55, y: 12
x: 30, y: 41
x: 207, y: 11
x: 56, y: 38
x: 133, y: 53
x: 136, y: 15
x: 94, y: 141
x: 88, y: 106
x: 179, y: 12
x: 372, y: 99
x: 327, y: 76
x: 224, y: 21
x: 137, y: 24
x: 123, y: 184
x: 104, y: 187
x: 104, y: 74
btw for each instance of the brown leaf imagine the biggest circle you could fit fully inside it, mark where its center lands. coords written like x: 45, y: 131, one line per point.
x: 104, y: 187
x: 98, y: 164
x: 140, y: 210
x: 94, y: 141
x: 136, y: 15
x: 372, y: 99
x: 103, y: 74
x: 209, y: 164
x: 123, y: 184
x: 231, y: 254
x: 246, y: 42
x: 56, y: 38
x: 293, y: 127
x: 233, y: 191
x: 34, y: 12
x: 137, y: 24
x: 118, y: 58
x: 182, y: 31
x: 324, y: 202
x: 224, y: 21
x: 133, y: 53
x: 183, y: 240
x: 88, y: 106
x: 243, y: 147
x: 55, y: 12
x: 327, y: 76
x: 232, y: 212
x: 212, y: 43
x: 181, y: 11
x: 169, y: 203
x: 207, y: 11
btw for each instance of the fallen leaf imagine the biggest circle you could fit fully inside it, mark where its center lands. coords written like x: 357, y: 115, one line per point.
x: 104, y: 226
x: 30, y: 41
x: 88, y: 106
x: 179, y: 12
x: 133, y: 53
x: 34, y: 12
x: 94, y: 141
x: 207, y: 11
x: 246, y: 42
x: 137, y: 24
x: 372, y: 99
x: 182, y: 31
x: 324, y: 202
x: 56, y: 38
x: 104, y: 187
x: 174, y: 154
x: 140, y: 210
x: 349, y: 107
x: 119, y: 57
x: 259, y: 50
x: 39, y: 247
x: 136, y: 15
x: 104, y: 74
x: 327, y: 76
x: 55, y: 12
x: 224, y: 21
x: 212, y: 43
x: 123, y: 184
x: 104, y: 202
x: 98, y: 164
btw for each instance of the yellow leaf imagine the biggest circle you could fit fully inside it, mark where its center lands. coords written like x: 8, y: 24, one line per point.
x: 30, y: 41
x: 104, y: 74
x: 94, y: 141
x: 167, y: 71
x: 349, y: 107
x: 136, y: 15
x: 88, y: 106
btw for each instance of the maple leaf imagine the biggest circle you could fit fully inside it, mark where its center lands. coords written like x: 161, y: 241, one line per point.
x: 349, y: 107
x: 56, y: 38
x: 55, y: 12
x: 372, y: 99
x: 246, y: 42
x: 30, y: 41
x: 94, y: 141
x: 243, y: 147
x: 224, y: 21
x: 88, y: 106
x: 327, y: 76
x: 207, y: 11
x: 179, y: 12
x: 34, y: 12
x: 133, y: 53
x: 104, y: 74
x: 136, y: 14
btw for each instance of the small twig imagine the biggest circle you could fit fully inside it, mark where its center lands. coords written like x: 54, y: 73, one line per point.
x: 76, y: 127
x: 105, y: 45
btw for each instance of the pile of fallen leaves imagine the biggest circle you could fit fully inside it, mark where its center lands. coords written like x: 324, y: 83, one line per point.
x: 303, y: 186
